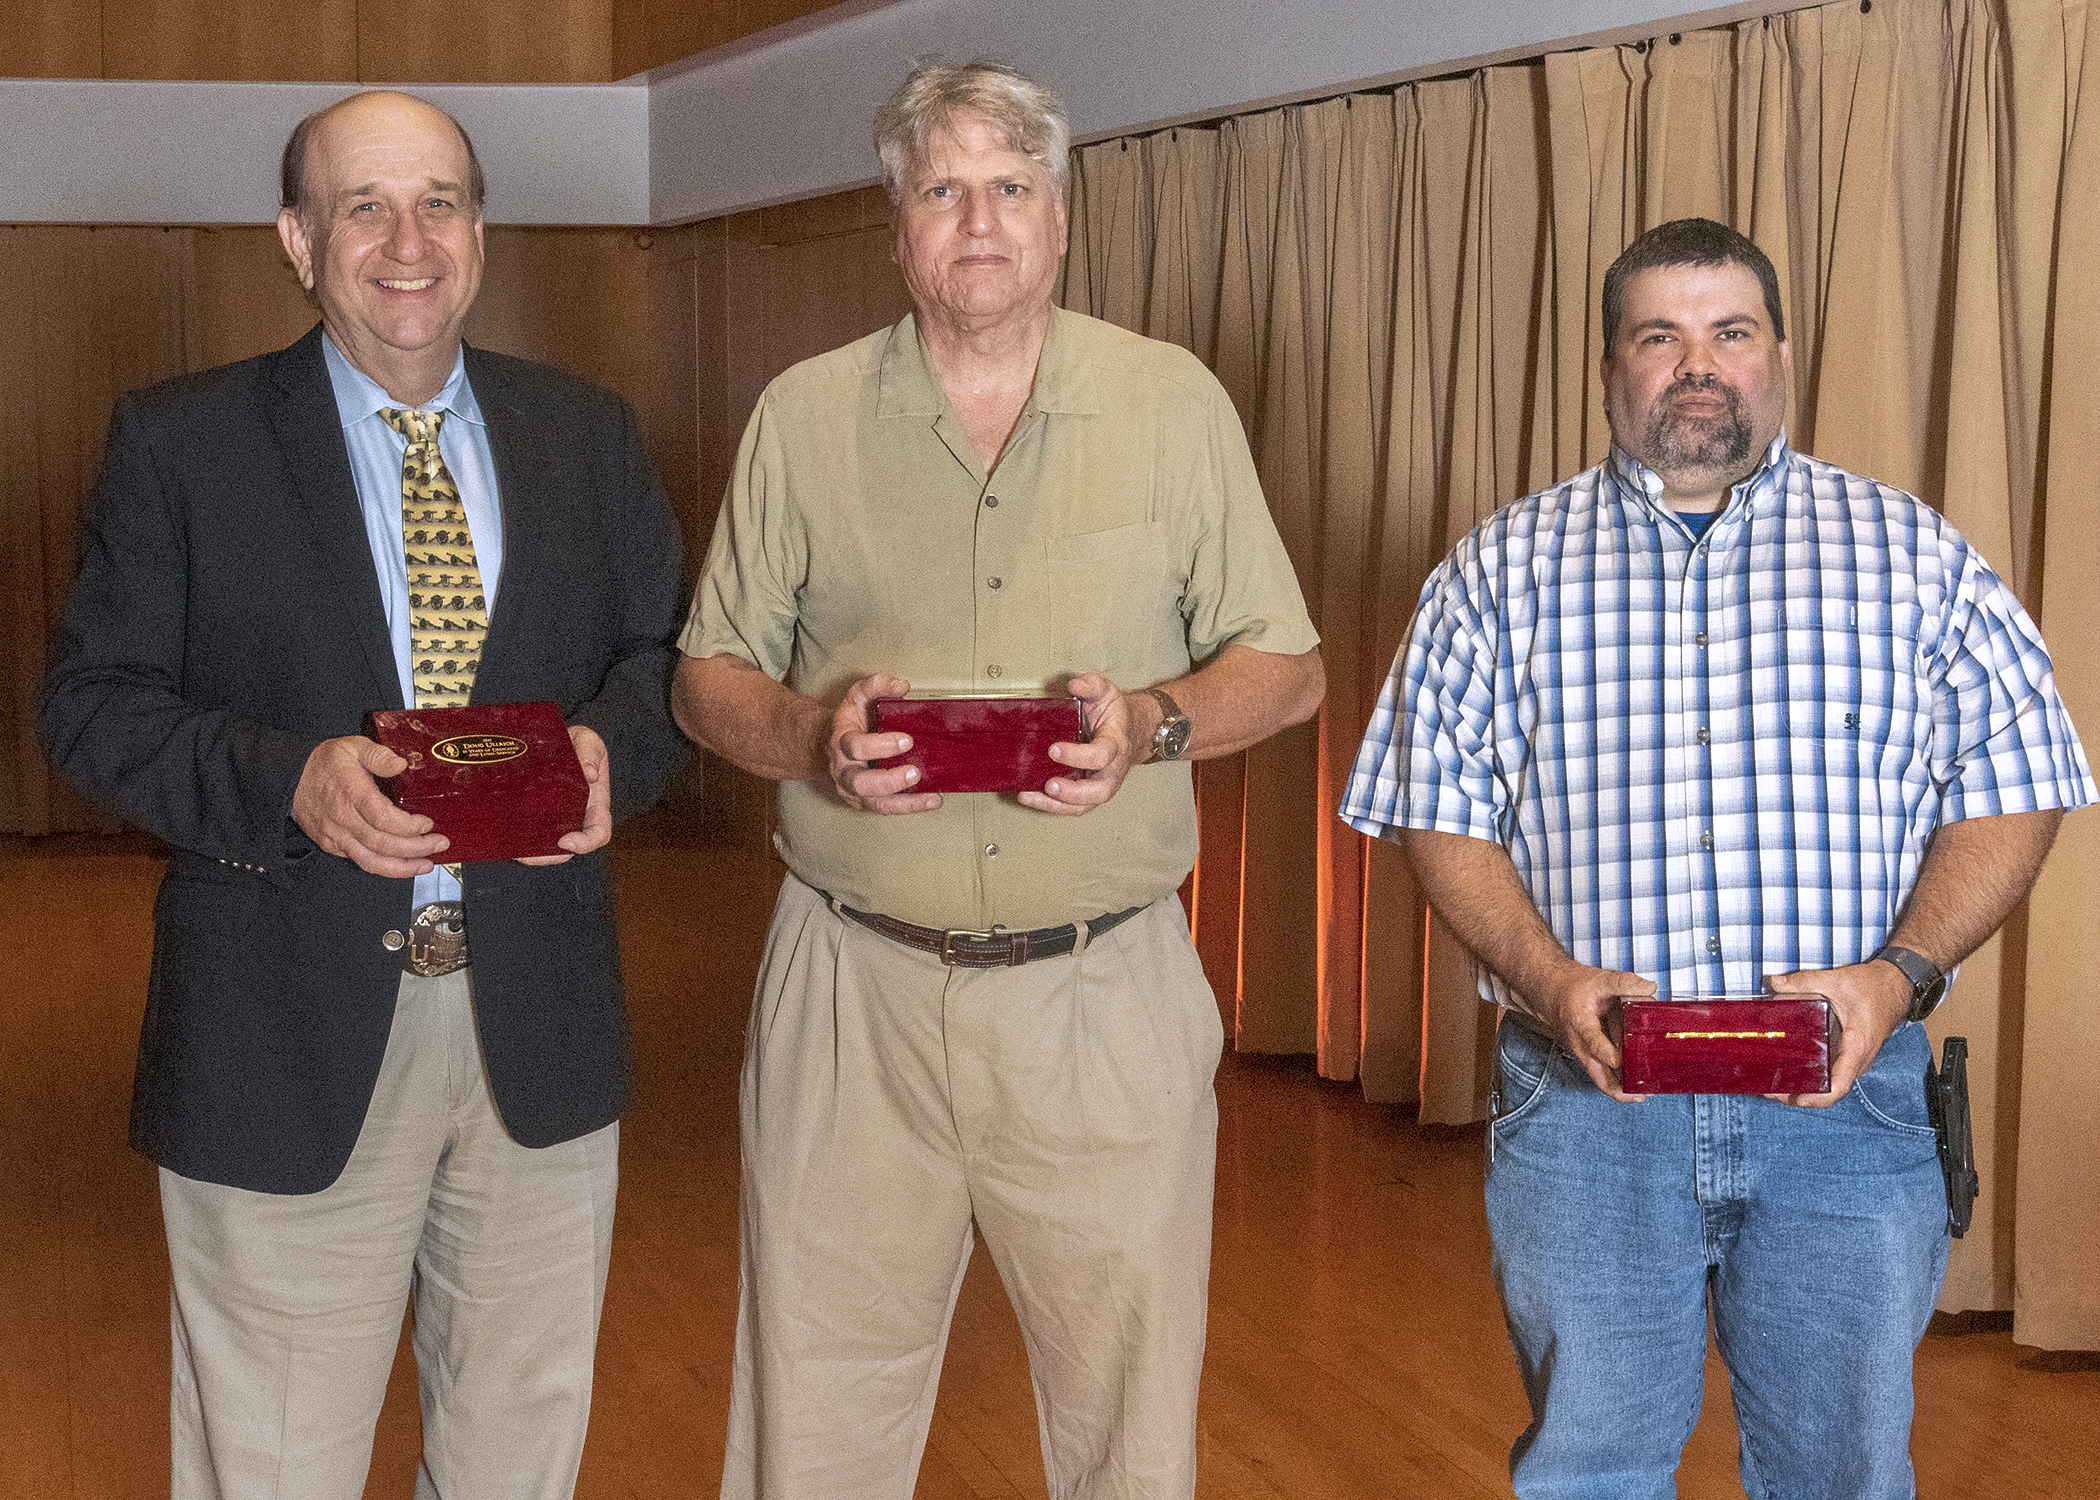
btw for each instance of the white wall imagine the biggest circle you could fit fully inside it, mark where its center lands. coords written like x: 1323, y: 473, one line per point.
x: 780, y: 116
x: 96, y: 152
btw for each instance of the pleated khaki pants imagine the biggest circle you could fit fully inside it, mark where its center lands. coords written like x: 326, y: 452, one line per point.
x: 287, y: 1308
x: 893, y: 1108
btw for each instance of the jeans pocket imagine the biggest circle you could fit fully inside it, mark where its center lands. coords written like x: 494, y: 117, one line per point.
x: 1523, y: 1068
x: 1892, y: 1090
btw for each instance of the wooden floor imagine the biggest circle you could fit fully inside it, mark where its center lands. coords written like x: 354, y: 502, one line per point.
x: 1356, y: 1348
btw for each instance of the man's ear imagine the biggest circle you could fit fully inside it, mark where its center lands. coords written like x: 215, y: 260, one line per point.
x: 293, y: 234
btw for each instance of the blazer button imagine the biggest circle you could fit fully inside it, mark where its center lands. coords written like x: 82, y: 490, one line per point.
x: 392, y: 941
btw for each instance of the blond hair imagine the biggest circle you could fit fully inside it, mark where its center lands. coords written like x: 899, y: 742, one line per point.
x: 1030, y: 117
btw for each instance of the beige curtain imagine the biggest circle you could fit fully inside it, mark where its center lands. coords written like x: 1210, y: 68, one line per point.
x: 1400, y: 291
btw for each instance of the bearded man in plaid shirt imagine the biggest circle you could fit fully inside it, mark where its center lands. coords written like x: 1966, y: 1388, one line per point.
x: 1716, y: 717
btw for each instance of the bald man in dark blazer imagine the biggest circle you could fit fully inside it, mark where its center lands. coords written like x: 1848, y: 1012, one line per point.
x: 332, y: 1130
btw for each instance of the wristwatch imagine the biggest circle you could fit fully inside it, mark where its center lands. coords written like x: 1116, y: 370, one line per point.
x: 1928, y: 986
x: 1172, y: 736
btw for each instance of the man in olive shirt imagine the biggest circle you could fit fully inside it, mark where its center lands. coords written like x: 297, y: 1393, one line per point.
x: 993, y: 496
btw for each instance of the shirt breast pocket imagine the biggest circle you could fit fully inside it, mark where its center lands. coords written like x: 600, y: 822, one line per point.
x: 1117, y: 603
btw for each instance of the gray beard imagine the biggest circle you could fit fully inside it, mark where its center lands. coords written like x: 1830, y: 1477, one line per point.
x: 1709, y: 443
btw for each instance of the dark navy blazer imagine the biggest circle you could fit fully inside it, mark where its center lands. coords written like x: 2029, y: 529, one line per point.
x: 226, y: 620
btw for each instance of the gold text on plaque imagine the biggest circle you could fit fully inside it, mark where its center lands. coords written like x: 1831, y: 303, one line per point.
x: 478, y: 749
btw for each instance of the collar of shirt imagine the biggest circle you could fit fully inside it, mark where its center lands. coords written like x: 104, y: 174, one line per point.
x: 1641, y: 487
x: 358, y: 395
x: 908, y: 387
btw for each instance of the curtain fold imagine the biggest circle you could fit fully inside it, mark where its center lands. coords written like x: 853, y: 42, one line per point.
x: 1399, y: 290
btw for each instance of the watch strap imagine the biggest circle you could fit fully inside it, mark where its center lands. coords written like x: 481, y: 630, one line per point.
x: 1170, y: 716
x: 1927, y: 983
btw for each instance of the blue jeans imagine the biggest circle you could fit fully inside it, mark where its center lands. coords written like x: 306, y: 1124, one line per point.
x: 1820, y: 1235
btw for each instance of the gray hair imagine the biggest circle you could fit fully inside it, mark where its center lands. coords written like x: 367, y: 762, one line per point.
x: 1029, y: 115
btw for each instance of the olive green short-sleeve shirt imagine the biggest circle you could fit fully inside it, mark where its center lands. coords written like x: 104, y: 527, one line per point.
x: 1123, y: 532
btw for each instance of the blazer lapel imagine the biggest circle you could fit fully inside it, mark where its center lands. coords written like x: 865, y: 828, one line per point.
x: 299, y: 406
x: 516, y: 442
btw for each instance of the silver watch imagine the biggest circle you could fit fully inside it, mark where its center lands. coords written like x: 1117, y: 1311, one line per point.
x: 1172, y: 736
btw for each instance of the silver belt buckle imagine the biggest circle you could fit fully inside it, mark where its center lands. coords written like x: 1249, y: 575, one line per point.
x: 437, y: 940
x: 951, y: 934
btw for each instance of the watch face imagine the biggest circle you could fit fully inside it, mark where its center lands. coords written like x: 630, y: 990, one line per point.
x: 1173, y: 738
x: 1926, y: 998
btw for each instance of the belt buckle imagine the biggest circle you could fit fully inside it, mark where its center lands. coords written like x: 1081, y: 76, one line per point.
x: 437, y: 939
x: 951, y: 934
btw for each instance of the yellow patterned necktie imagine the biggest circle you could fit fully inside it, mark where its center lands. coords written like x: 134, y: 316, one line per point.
x: 448, y: 619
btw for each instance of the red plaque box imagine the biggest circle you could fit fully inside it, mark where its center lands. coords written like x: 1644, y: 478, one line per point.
x: 973, y: 743
x: 500, y: 780
x: 1726, y: 1044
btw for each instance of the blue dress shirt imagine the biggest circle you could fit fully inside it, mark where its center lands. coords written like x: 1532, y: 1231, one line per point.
x: 376, y: 451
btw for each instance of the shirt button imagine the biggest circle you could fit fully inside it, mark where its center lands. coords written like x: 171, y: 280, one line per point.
x: 991, y: 583
x: 1700, y: 638
x: 992, y: 670
x: 1705, y: 735
x: 991, y: 850
x: 1713, y: 945
x: 393, y: 942
x: 1706, y: 839
x: 991, y: 502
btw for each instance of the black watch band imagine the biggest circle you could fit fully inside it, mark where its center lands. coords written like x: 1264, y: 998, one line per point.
x: 1928, y: 986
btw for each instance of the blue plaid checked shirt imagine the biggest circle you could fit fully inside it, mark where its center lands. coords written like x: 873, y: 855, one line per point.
x: 1719, y: 759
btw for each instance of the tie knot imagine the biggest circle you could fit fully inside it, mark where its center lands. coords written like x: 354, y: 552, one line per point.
x: 416, y: 426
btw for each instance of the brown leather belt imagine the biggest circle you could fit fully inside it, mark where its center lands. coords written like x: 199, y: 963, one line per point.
x: 996, y: 949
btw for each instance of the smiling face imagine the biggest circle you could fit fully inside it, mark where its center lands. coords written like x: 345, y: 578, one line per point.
x: 1696, y: 382
x: 979, y: 229
x: 388, y: 241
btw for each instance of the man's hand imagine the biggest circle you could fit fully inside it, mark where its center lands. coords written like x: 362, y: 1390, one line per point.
x: 1869, y: 1001
x: 342, y: 810
x: 1121, y: 737
x: 1474, y: 887
x: 1575, y: 1008
x: 1976, y: 871
x: 597, y: 808
x: 851, y: 745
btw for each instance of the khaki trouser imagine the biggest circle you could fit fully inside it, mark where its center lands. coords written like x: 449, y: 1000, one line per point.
x: 893, y: 1108
x: 287, y: 1308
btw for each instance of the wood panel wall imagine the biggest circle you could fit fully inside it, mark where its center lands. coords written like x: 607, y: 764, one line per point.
x: 688, y: 324
x: 373, y: 41
x: 773, y: 287
x: 90, y: 313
